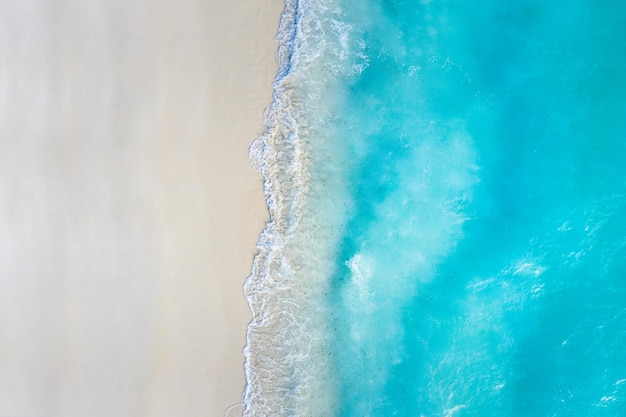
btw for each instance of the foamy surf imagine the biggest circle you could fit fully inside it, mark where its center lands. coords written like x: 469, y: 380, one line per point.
x: 287, y: 355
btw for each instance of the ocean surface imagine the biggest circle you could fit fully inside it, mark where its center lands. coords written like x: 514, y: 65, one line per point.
x: 447, y: 189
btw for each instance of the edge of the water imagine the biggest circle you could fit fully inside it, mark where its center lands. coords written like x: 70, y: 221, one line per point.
x: 277, y: 156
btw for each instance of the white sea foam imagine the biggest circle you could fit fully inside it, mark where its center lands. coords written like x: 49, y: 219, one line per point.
x: 287, y: 363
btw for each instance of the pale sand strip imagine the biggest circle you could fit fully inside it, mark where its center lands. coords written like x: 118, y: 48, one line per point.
x: 128, y: 209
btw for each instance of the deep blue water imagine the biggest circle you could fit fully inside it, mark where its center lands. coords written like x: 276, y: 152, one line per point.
x: 447, y: 188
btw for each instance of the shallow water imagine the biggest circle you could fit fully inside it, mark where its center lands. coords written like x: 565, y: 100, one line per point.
x: 446, y: 187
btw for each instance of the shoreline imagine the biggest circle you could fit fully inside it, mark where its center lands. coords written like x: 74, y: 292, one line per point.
x: 287, y: 356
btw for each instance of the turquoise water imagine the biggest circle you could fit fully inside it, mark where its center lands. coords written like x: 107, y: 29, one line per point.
x: 447, y: 189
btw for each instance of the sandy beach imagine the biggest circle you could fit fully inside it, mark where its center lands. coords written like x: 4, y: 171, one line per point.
x: 128, y: 207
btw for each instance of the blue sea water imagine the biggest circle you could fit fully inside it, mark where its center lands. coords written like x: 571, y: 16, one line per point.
x: 447, y: 189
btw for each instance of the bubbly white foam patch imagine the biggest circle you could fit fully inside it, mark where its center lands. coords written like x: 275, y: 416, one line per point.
x: 361, y: 273
x: 528, y: 268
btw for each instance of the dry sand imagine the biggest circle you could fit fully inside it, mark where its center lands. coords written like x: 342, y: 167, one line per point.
x: 128, y: 208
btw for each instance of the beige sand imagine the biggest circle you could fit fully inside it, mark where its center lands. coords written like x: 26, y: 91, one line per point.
x: 128, y: 208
